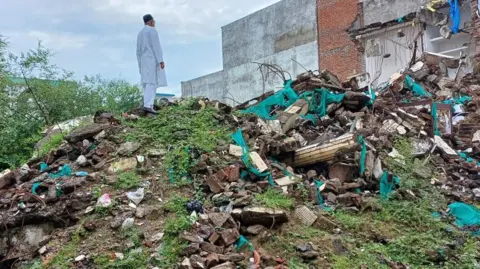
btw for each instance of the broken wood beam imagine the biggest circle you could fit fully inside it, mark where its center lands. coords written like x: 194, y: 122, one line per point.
x: 321, y: 152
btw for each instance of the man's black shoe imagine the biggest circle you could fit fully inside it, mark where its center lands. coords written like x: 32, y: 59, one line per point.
x: 150, y: 110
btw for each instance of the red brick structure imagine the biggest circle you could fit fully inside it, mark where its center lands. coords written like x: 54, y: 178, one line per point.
x: 336, y: 51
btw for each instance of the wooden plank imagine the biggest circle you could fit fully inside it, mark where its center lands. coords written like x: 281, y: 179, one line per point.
x: 320, y: 153
x: 345, y: 137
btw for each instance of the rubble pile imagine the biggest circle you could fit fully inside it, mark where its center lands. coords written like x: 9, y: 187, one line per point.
x: 333, y: 138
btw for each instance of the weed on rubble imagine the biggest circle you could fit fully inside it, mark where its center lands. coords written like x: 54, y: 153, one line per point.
x: 275, y: 199
x: 127, y: 180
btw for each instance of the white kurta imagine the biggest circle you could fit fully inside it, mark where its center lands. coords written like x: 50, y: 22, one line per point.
x: 149, y: 57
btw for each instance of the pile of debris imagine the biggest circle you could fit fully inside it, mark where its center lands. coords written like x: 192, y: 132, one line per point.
x: 336, y: 139
x: 54, y: 190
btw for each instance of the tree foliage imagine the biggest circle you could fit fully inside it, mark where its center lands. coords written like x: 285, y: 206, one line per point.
x: 35, y: 93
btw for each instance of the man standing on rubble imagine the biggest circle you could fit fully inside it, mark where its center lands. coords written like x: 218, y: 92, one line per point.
x: 150, y: 62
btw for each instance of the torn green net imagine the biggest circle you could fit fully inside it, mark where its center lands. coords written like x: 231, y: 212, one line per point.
x: 416, y: 88
x: 65, y: 170
x: 238, y: 138
x: 458, y: 100
x: 283, y: 98
x: 465, y: 215
x: 386, y: 187
x: 244, y: 241
x: 317, y: 100
x: 363, y: 155
x: 320, y: 201
x: 435, y: 118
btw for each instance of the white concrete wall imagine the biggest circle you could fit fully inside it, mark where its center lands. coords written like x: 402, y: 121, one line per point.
x: 277, y: 34
x: 211, y: 86
x: 397, y: 47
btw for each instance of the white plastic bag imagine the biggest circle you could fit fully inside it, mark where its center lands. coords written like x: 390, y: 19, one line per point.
x: 136, y: 196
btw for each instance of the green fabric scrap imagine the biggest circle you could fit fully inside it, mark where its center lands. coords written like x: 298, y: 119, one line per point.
x: 283, y: 98
x: 244, y: 241
x: 458, y: 100
x: 435, y: 119
x: 43, y: 166
x: 387, y: 187
x: 65, y: 171
x: 465, y: 215
x: 238, y: 138
x: 35, y: 188
x: 417, y: 89
x: 363, y: 154
x: 318, y: 100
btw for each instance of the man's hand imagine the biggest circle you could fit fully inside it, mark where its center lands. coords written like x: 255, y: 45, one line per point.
x: 162, y: 65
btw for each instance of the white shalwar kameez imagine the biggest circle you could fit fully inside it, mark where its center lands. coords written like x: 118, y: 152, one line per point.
x: 149, y: 57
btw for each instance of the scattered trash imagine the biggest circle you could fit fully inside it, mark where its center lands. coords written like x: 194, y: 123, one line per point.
x: 194, y: 206
x: 80, y: 258
x: 104, y: 200
x: 136, y: 196
x: 466, y: 216
x: 81, y: 174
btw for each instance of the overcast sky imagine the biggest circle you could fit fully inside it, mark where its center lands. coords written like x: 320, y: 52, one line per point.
x: 98, y: 36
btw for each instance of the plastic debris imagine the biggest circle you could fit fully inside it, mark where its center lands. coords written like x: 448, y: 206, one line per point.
x: 243, y: 241
x: 104, y: 200
x: 386, y: 186
x: 81, y: 174
x: 465, y: 215
x: 136, y: 196
x: 65, y: 170
x: 43, y: 166
x: 194, y: 206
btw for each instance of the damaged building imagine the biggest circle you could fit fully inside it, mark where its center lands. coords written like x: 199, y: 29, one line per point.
x: 347, y: 37
x: 284, y: 34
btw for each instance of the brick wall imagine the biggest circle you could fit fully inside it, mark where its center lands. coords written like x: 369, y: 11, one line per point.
x: 476, y: 36
x: 336, y: 51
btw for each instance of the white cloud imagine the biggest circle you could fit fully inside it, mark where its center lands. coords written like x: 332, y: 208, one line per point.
x: 195, y: 18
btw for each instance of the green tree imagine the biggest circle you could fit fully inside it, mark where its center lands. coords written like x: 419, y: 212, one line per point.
x: 34, y: 93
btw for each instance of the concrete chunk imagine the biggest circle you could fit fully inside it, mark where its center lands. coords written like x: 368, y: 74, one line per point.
x: 264, y: 216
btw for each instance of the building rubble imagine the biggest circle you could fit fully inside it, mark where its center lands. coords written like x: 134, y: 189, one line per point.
x: 334, y: 138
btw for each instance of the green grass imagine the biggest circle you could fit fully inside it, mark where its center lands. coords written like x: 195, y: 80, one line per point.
x: 53, y: 143
x: 127, y: 180
x: 178, y: 222
x: 170, y: 251
x: 412, y: 233
x: 133, y: 234
x: 35, y: 264
x: 131, y: 261
x: 68, y: 252
x: 275, y: 199
x: 297, y: 264
x: 182, y: 128
x: 177, y: 205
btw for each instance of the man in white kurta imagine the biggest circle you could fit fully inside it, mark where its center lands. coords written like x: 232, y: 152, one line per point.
x: 150, y: 62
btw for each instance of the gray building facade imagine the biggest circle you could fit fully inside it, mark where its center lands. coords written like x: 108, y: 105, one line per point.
x: 284, y: 34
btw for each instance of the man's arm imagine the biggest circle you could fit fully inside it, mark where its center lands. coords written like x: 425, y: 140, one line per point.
x: 157, y: 48
x: 139, y: 54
